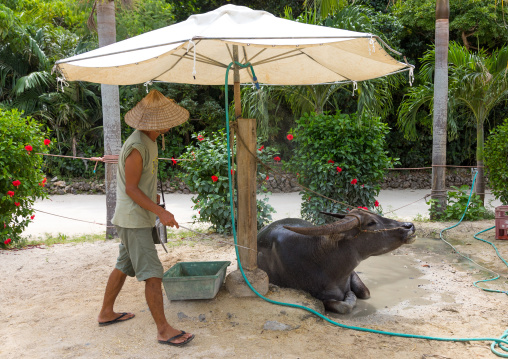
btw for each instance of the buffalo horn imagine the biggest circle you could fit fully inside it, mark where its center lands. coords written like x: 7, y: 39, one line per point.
x: 336, y: 215
x: 327, y: 229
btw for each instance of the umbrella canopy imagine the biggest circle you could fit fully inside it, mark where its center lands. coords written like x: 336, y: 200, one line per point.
x: 198, y: 50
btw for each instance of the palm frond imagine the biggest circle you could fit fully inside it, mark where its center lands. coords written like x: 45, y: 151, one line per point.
x: 35, y: 80
x: 413, y: 103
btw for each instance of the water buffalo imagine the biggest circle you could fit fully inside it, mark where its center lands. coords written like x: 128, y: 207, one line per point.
x: 321, y: 259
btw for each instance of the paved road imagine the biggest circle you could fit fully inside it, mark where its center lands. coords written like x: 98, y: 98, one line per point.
x: 92, y: 208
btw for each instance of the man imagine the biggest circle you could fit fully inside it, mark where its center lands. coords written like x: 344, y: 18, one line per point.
x: 136, y: 211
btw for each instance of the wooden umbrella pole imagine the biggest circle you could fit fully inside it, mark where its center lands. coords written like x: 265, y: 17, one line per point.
x: 246, y: 171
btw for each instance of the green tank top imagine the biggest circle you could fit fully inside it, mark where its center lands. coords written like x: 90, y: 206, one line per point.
x: 128, y: 214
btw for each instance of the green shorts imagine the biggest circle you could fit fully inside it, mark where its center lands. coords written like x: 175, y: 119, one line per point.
x: 138, y: 256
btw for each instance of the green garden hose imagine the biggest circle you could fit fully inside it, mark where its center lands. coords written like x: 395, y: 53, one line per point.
x: 495, y: 341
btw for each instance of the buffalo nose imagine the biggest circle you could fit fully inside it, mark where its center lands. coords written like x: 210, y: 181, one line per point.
x: 408, y: 225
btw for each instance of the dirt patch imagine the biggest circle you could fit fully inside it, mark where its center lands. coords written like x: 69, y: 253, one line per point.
x: 50, y: 299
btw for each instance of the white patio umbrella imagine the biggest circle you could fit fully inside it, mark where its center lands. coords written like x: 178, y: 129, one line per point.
x: 200, y: 49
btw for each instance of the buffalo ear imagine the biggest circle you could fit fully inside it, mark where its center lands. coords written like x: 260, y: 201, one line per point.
x: 336, y: 215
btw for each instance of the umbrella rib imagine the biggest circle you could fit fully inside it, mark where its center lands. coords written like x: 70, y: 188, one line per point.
x: 200, y: 58
x: 230, y: 53
x: 277, y: 57
x: 203, y: 59
x: 245, y: 60
x: 180, y: 59
x: 210, y: 60
x: 253, y: 57
x: 326, y: 67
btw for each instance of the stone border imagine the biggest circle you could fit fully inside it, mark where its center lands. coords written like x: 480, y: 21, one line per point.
x: 276, y: 183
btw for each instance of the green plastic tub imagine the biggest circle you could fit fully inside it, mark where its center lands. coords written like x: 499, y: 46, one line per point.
x: 194, y: 280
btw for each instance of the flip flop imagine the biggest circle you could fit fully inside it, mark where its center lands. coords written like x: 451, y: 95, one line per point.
x: 168, y: 342
x: 117, y: 320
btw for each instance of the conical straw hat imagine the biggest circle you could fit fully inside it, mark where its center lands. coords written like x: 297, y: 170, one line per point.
x: 156, y: 112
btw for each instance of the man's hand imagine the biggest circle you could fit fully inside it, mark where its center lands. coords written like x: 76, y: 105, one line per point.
x: 167, y: 219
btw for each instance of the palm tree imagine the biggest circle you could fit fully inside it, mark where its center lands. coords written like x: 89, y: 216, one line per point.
x: 106, y: 29
x: 477, y: 83
x: 25, y: 68
x: 440, y: 107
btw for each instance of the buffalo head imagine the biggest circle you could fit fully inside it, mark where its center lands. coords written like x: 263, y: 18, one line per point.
x: 371, y: 233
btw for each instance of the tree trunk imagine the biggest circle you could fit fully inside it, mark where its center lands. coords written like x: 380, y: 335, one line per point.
x: 106, y: 29
x: 440, y: 108
x: 480, y: 179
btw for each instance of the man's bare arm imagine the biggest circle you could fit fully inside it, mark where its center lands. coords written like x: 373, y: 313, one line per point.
x: 133, y: 170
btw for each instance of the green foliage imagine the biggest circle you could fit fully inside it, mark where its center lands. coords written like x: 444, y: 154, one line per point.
x: 21, y: 178
x: 496, y: 160
x: 357, y: 148
x: 457, y: 201
x: 480, y: 22
x: 206, y: 172
x: 145, y: 16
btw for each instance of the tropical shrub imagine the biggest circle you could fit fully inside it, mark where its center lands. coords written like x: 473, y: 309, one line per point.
x: 21, y: 177
x: 457, y: 201
x: 205, y: 171
x: 341, y: 157
x: 496, y: 160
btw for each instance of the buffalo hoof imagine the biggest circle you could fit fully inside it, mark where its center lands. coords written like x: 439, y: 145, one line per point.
x: 342, y: 307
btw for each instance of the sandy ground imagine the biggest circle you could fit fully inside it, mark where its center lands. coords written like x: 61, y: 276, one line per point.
x: 51, y: 296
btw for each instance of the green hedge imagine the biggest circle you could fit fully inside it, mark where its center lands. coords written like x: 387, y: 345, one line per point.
x: 21, y: 177
x: 342, y: 157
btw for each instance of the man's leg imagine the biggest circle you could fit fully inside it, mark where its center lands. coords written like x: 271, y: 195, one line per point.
x: 115, y: 284
x: 153, y: 294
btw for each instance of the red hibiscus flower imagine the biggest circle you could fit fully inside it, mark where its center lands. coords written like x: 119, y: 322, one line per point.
x: 376, y: 204
x: 289, y: 137
x: 32, y: 216
x: 276, y: 159
x: 331, y: 161
x: 10, y: 193
x: 16, y: 183
x: 200, y: 138
x: 339, y: 170
x: 261, y: 148
x: 28, y: 148
x: 173, y: 160
x: 47, y: 142
x: 215, y: 178
x: 7, y: 241
x: 17, y: 204
x: 267, y: 178
x: 354, y: 181
x: 232, y: 172
x: 44, y: 180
